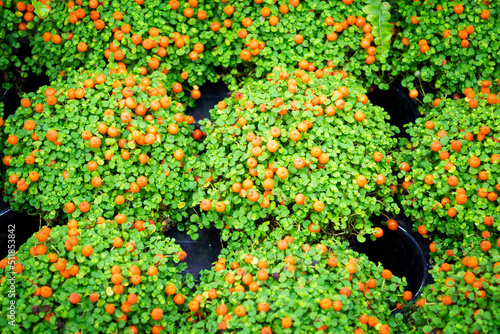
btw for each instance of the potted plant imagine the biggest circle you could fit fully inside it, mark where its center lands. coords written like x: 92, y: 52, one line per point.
x: 300, y: 151
x: 450, y: 167
x: 464, y: 297
x: 288, y: 285
x: 91, y: 33
x: 97, y: 145
x: 253, y: 36
x: 441, y: 48
x: 83, y: 276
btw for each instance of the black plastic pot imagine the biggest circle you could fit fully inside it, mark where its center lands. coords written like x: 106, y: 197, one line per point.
x: 15, y: 226
x: 11, y: 102
x: 202, y: 252
x: 11, y: 98
x: 400, y: 107
x: 211, y: 94
x: 404, y: 252
x: 28, y: 84
x: 20, y: 225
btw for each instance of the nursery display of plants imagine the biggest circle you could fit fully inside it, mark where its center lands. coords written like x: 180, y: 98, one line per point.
x: 295, y: 171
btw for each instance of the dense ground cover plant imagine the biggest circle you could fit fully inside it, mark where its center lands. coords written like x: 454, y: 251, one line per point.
x: 113, y: 154
x: 172, y: 37
x: 9, y: 34
x: 245, y: 37
x: 85, y: 277
x: 1, y: 126
x: 299, y: 151
x: 253, y: 36
x: 465, y: 295
x: 10, y: 31
x: 446, y: 46
x: 451, y: 167
x: 111, y: 143
x: 289, y: 286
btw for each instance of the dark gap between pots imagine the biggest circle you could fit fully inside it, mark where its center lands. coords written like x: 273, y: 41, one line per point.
x: 400, y: 107
x: 21, y: 225
x: 404, y: 252
x: 211, y: 94
x: 202, y: 252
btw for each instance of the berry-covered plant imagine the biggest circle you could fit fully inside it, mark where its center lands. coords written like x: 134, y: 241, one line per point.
x: 464, y: 297
x: 172, y: 37
x: 86, y: 278
x: 96, y: 145
x: 253, y: 36
x: 446, y: 46
x: 11, y: 29
x: 451, y: 167
x: 297, y: 151
x: 2, y: 139
x: 246, y: 38
x: 289, y: 286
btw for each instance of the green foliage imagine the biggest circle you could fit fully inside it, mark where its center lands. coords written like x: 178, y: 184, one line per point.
x: 293, y: 282
x: 140, y: 19
x: 474, y: 303
x: 35, y: 313
x: 378, y: 14
x: 447, y: 67
x: 40, y: 9
x: 428, y: 204
x: 334, y: 37
x: 9, y: 40
x: 63, y: 165
x: 346, y: 145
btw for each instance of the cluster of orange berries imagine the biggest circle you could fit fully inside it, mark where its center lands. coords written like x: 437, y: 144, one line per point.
x: 28, y: 11
x: 254, y: 48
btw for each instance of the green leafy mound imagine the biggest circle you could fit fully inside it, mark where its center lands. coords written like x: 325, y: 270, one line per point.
x: 464, y: 297
x: 10, y: 35
x: 335, y: 117
x: 37, y: 266
x: 55, y: 177
x: 191, y: 39
x: 458, y: 134
x: 275, y: 280
x: 315, y: 32
x: 430, y: 56
x: 2, y: 135
x: 127, y: 37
